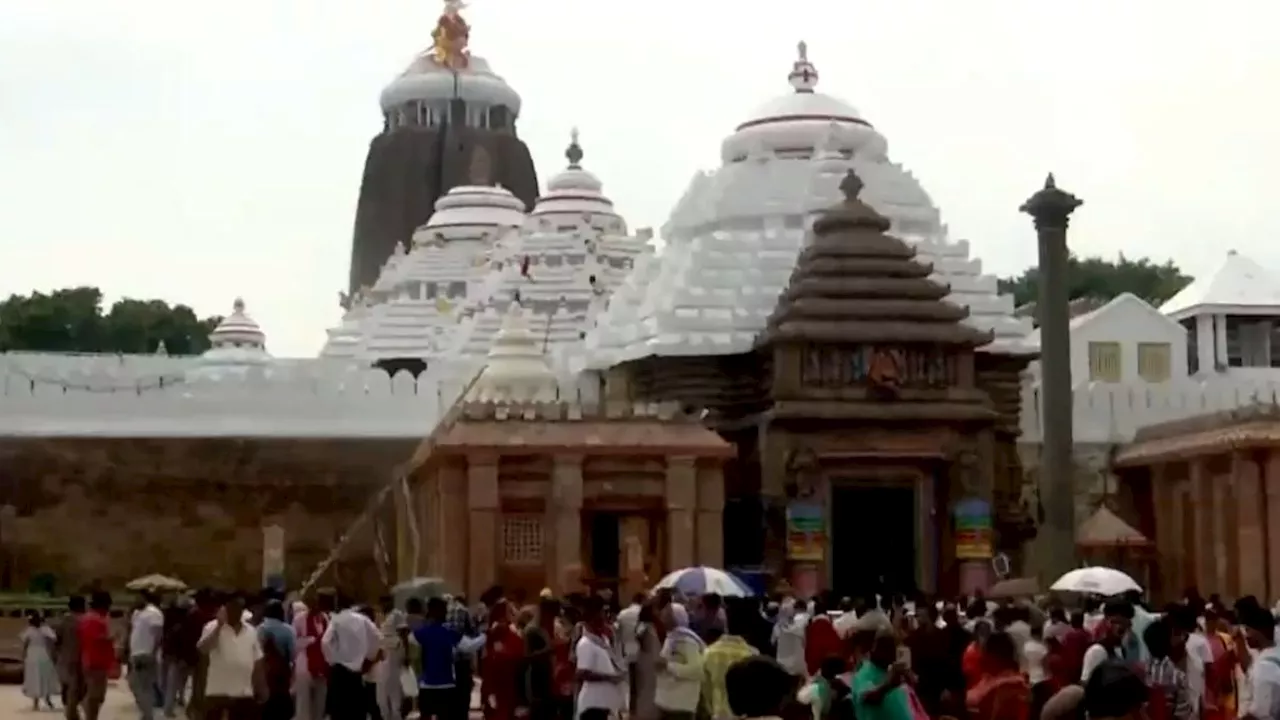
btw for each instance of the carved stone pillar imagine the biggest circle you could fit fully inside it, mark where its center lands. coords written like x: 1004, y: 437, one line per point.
x: 1271, y: 487
x: 710, y: 543
x: 1202, y: 500
x: 1165, y: 537
x: 681, y: 499
x: 1226, y: 547
x: 564, y: 525
x: 483, y: 507
x: 450, y: 527
x: 1250, y: 521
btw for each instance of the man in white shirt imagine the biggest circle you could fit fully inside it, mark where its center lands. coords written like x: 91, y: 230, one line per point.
x: 146, y: 626
x: 627, y: 622
x: 1264, y: 670
x: 1116, y: 620
x: 352, y: 644
x: 1198, y: 655
x: 234, y: 669
x: 599, y: 668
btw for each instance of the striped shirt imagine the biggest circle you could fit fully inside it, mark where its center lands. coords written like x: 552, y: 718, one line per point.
x: 1164, y: 676
x: 722, y: 654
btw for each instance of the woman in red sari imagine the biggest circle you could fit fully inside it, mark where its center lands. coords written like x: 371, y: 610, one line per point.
x: 500, y: 668
x: 1220, y: 678
x: 1003, y: 692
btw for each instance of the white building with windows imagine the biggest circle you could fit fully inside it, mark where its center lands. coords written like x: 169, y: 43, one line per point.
x: 1207, y: 349
x: 1232, y: 317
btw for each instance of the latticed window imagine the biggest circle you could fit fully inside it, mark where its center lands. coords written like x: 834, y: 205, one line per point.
x: 522, y: 540
x: 1153, y: 361
x: 1104, y: 362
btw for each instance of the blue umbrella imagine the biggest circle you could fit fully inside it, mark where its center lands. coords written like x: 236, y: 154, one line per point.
x: 702, y: 580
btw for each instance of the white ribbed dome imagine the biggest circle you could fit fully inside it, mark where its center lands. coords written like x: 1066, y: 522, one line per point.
x: 424, y: 80
x: 475, y: 206
x: 574, y: 190
x: 236, y: 345
x: 516, y: 370
x: 795, y: 123
x: 238, y: 330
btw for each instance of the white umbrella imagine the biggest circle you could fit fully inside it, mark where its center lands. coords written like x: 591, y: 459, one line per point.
x: 1096, y: 581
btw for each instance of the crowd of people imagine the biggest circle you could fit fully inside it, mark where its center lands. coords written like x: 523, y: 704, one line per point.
x: 663, y: 656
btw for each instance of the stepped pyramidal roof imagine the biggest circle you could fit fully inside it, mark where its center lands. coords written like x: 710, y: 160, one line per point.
x: 856, y: 283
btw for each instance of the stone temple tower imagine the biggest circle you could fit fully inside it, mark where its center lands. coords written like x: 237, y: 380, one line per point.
x: 448, y: 121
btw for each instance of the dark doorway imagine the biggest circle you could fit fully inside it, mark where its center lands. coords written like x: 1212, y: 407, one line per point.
x: 606, y: 548
x: 873, y: 540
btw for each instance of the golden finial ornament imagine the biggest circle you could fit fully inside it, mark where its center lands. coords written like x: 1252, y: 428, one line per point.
x: 451, y: 37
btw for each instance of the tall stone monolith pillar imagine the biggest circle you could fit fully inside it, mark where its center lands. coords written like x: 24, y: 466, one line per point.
x: 1051, y: 210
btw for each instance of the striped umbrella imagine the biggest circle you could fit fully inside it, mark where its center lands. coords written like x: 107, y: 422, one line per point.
x: 701, y: 580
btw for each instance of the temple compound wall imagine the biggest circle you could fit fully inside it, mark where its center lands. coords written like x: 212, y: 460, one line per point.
x: 225, y: 513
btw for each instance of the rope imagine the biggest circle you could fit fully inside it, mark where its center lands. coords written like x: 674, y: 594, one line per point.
x: 399, y: 477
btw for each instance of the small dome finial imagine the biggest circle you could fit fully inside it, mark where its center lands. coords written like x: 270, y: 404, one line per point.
x: 804, y: 76
x: 851, y: 186
x: 238, y: 305
x: 574, y: 151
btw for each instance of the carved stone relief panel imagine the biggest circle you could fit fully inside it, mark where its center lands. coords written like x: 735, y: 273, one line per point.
x: 856, y: 365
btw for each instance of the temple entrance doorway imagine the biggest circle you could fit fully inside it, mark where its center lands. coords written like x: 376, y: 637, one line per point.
x: 604, y: 549
x: 873, y: 539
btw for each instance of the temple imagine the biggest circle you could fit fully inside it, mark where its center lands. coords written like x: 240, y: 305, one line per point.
x: 523, y: 389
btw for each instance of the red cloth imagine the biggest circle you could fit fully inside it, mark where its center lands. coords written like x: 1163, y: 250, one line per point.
x: 971, y: 664
x: 1158, y: 704
x: 1075, y: 643
x: 1219, y: 685
x: 1005, y: 696
x: 821, y: 641
x: 314, y: 625
x: 500, y: 671
x: 1055, y: 667
x: 97, y: 651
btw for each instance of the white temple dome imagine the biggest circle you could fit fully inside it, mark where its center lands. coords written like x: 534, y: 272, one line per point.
x: 574, y: 189
x: 475, y: 205
x: 796, y: 123
x: 236, y: 345
x: 516, y: 370
x: 238, y: 331
x: 424, y: 80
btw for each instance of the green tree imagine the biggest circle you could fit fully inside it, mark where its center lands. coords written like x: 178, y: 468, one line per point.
x: 1101, y: 279
x: 72, y: 320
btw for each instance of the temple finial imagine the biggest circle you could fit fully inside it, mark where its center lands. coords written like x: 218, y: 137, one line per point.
x: 851, y: 186
x: 804, y: 76
x: 1050, y: 183
x: 574, y: 152
x: 238, y: 305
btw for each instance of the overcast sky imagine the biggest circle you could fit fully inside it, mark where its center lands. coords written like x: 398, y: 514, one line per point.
x: 197, y: 151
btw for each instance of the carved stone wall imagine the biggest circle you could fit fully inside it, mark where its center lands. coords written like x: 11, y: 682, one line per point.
x: 107, y: 511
